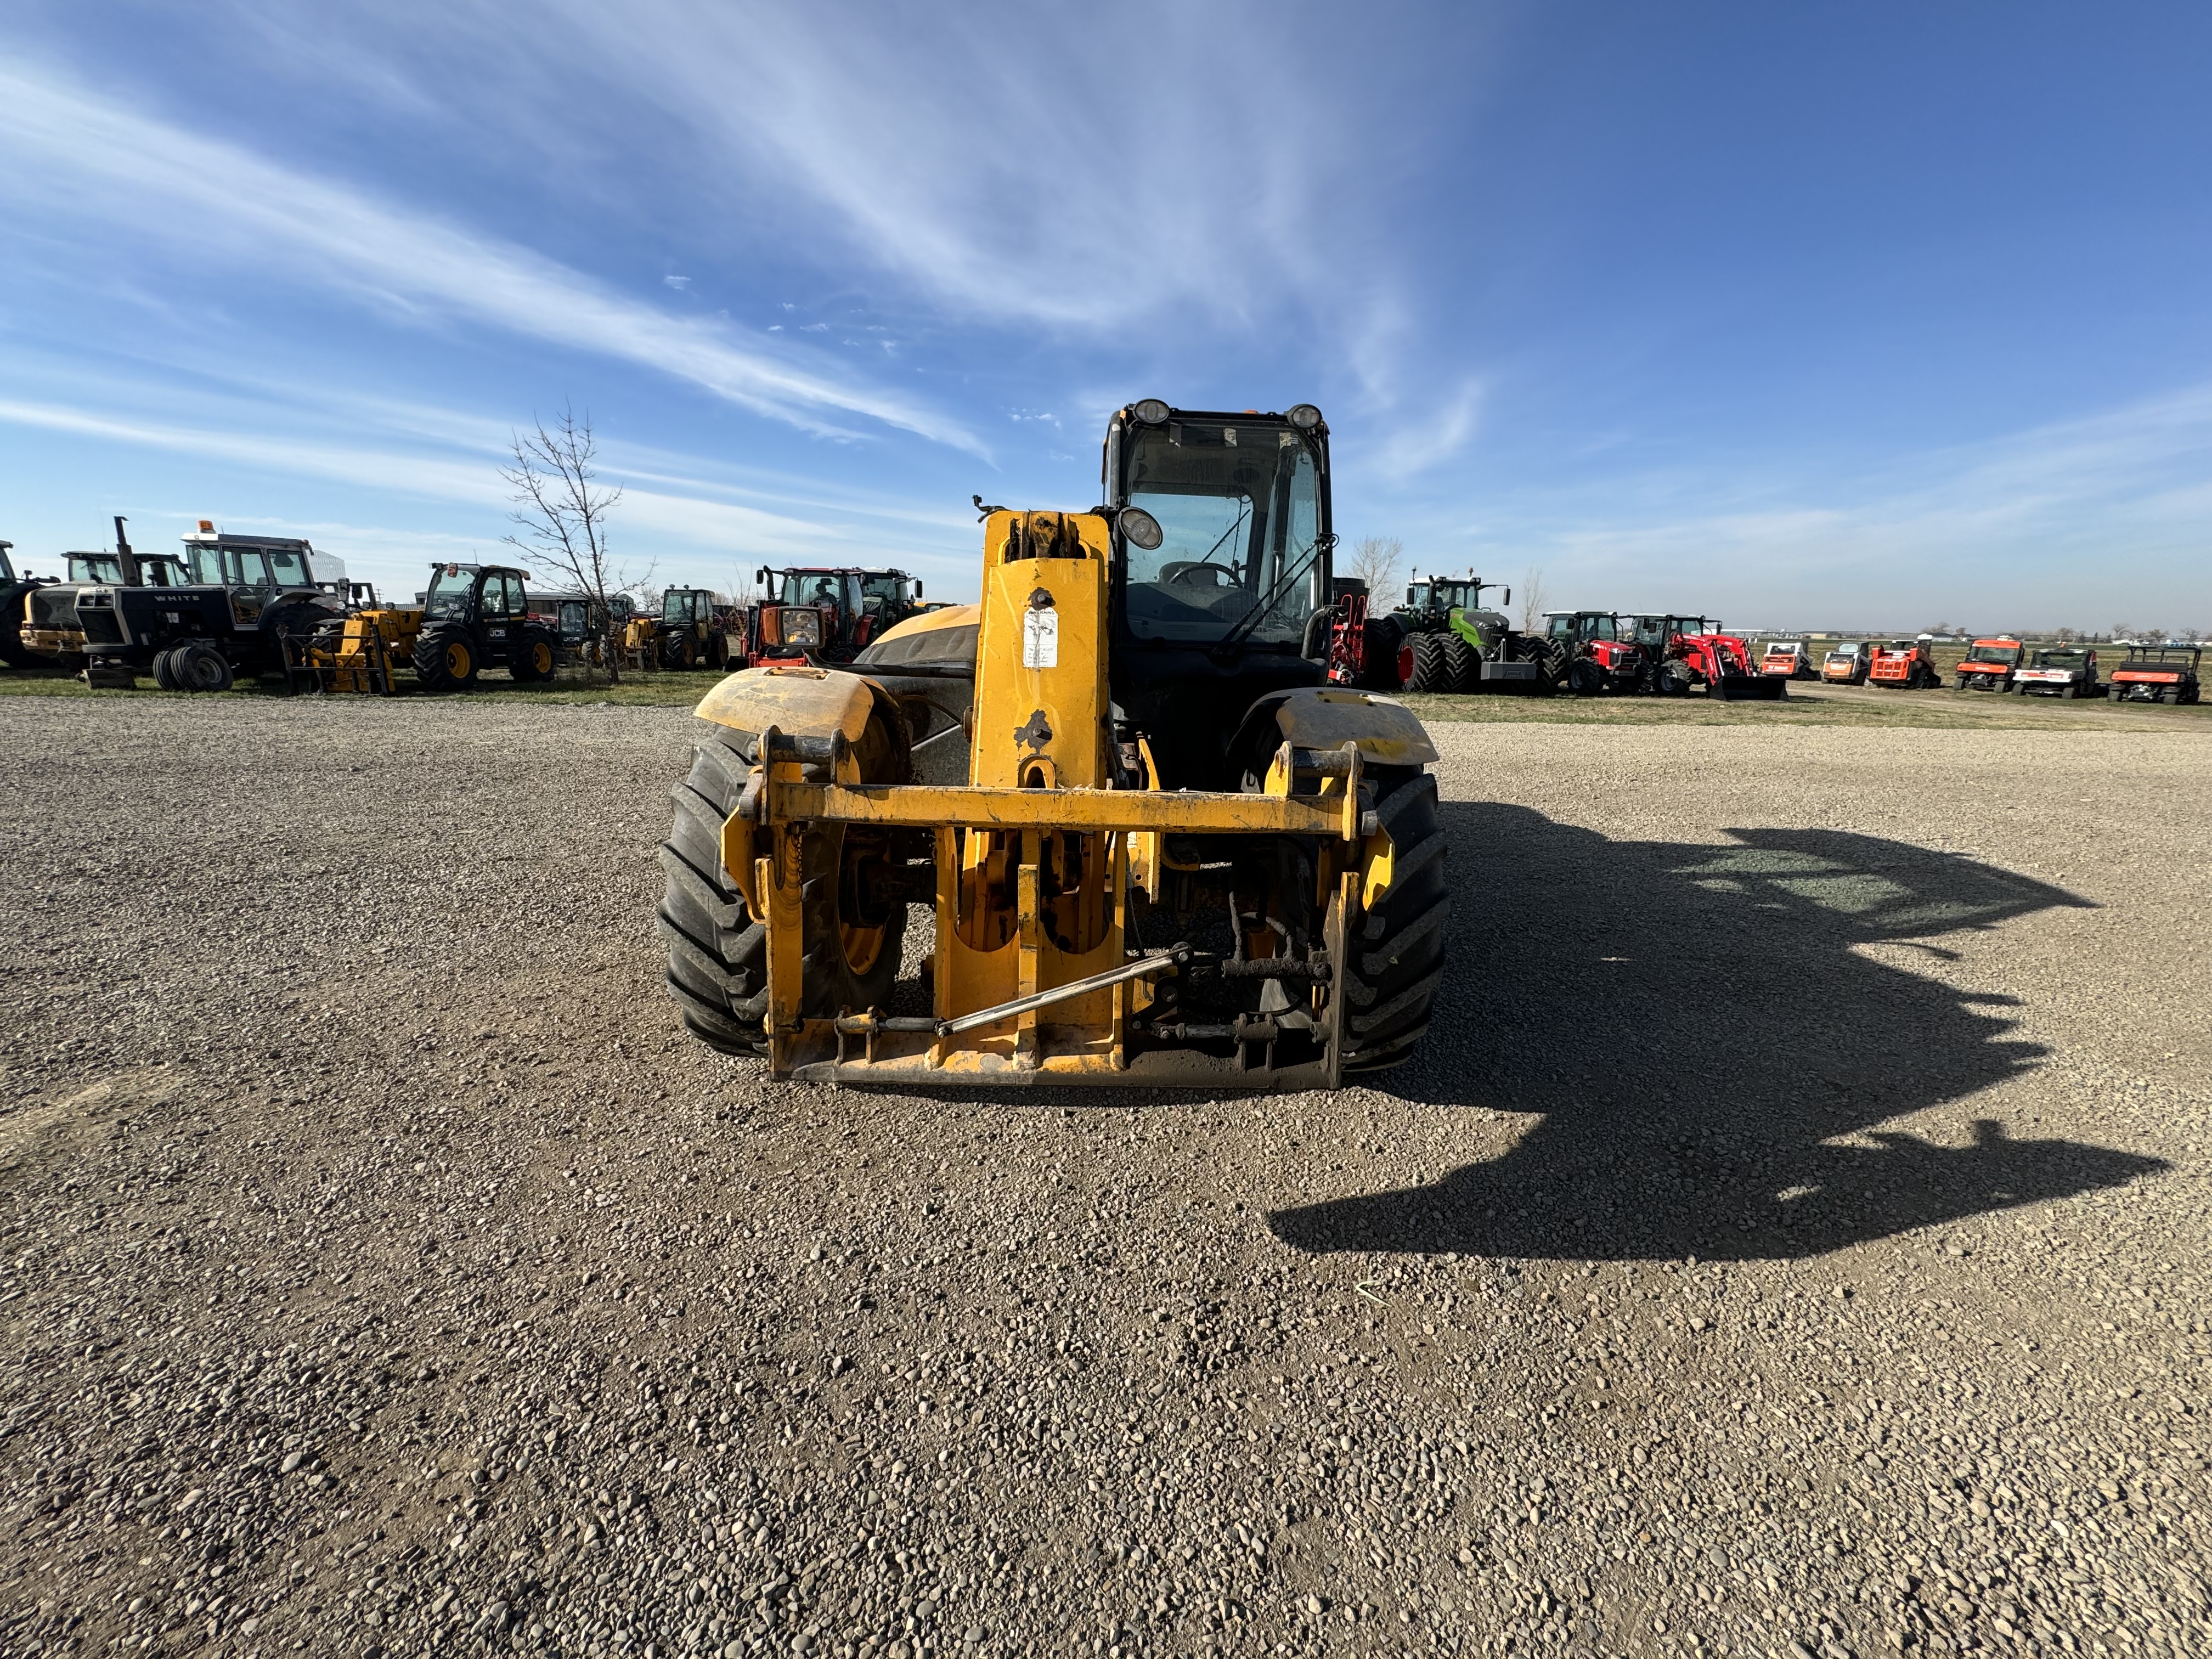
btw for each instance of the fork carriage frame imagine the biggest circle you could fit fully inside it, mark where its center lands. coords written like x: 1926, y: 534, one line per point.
x: 1042, y: 864
x: 1067, y: 1012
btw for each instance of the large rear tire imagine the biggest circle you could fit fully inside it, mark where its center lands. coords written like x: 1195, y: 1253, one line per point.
x: 1385, y: 635
x: 854, y: 924
x: 1397, y: 952
x: 1430, y: 672
x: 446, y: 659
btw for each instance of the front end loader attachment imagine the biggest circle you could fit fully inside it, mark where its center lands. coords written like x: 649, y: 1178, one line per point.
x: 1058, y: 873
x: 1730, y: 686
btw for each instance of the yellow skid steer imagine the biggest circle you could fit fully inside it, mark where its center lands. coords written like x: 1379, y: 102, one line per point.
x: 1174, y: 855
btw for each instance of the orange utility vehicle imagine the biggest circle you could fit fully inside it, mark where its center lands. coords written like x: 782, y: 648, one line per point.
x: 1847, y: 664
x: 1902, y: 666
x: 2157, y: 673
x: 1990, y: 665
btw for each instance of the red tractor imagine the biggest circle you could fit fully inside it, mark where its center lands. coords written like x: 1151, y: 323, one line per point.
x: 1685, y: 651
x: 825, y: 615
x: 1591, y: 653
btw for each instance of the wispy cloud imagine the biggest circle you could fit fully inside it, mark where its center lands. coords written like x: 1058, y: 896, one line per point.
x: 1944, y: 529
x: 683, y: 505
x: 74, y: 155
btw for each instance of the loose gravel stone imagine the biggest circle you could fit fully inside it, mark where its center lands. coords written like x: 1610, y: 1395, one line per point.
x: 1791, y: 1239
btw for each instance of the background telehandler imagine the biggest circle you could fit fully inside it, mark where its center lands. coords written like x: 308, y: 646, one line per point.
x: 1174, y: 856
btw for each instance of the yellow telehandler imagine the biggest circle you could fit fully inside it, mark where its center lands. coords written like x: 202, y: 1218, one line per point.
x: 1157, y: 848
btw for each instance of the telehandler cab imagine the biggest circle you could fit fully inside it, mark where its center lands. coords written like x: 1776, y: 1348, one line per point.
x: 1173, y: 855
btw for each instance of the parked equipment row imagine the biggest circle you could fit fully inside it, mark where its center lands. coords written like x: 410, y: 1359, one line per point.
x: 2147, y: 673
x: 1442, y: 640
x: 274, y: 607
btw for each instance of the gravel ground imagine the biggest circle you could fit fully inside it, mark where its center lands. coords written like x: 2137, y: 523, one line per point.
x: 1791, y: 1241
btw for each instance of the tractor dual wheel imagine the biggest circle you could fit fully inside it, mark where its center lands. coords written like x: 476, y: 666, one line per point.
x: 854, y: 921
x: 1462, y: 663
x: 531, y: 662
x: 1431, y: 673
x: 1396, y: 955
x: 446, y: 659
x: 192, y: 666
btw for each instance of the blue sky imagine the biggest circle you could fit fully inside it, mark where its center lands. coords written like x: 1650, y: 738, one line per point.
x: 1861, y: 316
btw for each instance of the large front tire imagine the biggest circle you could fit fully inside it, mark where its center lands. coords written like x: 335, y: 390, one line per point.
x: 446, y: 659
x: 1397, y: 952
x: 854, y: 922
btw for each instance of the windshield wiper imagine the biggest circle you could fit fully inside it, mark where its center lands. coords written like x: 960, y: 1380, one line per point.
x: 1235, y: 637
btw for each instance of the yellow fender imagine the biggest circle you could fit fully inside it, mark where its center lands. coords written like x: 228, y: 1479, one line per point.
x: 1327, y: 717
x: 816, y: 702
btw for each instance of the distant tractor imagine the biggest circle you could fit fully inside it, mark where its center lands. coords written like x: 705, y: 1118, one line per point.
x: 1591, y: 653
x: 43, y: 626
x: 1789, y: 659
x: 475, y: 616
x: 1989, y: 666
x: 1902, y: 666
x: 694, y: 632
x: 245, y: 605
x: 2157, y: 673
x: 14, y: 588
x: 1458, y: 646
x: 2058, y: 670
x: 1847, y: 664
x: 813, y: 614
x: 1684, y: 653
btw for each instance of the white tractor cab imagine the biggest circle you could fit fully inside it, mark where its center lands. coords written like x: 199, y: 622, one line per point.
x: 219, y: 559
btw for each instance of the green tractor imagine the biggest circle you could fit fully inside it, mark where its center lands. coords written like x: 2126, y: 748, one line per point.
x: 1459, y: 647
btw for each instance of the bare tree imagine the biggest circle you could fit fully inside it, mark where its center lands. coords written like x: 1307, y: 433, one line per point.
x: 1375, y: 561
x: 561, y: 512
x: 2121, y: 630
x: 1531, y: 598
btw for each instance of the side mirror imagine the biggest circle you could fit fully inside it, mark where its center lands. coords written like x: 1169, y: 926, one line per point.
x: 1505, y: 596
x: 761, y: 576
x: 917, y: 590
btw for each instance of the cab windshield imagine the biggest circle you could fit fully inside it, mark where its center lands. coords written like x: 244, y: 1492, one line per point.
x: 680, y: 609
x: 2061, y: 658
x: 95, y: 567
x: 1437, y: 596
x: 883, y: 592
x: 1590, y: 628
x: 246, y: 567
x: 1239, y: 510
x: 450, y: 586
x: 2004, y: 654
x: 817, y: 587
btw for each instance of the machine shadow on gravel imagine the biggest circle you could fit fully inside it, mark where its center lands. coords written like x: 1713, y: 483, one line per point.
x: 1698, y: 1030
